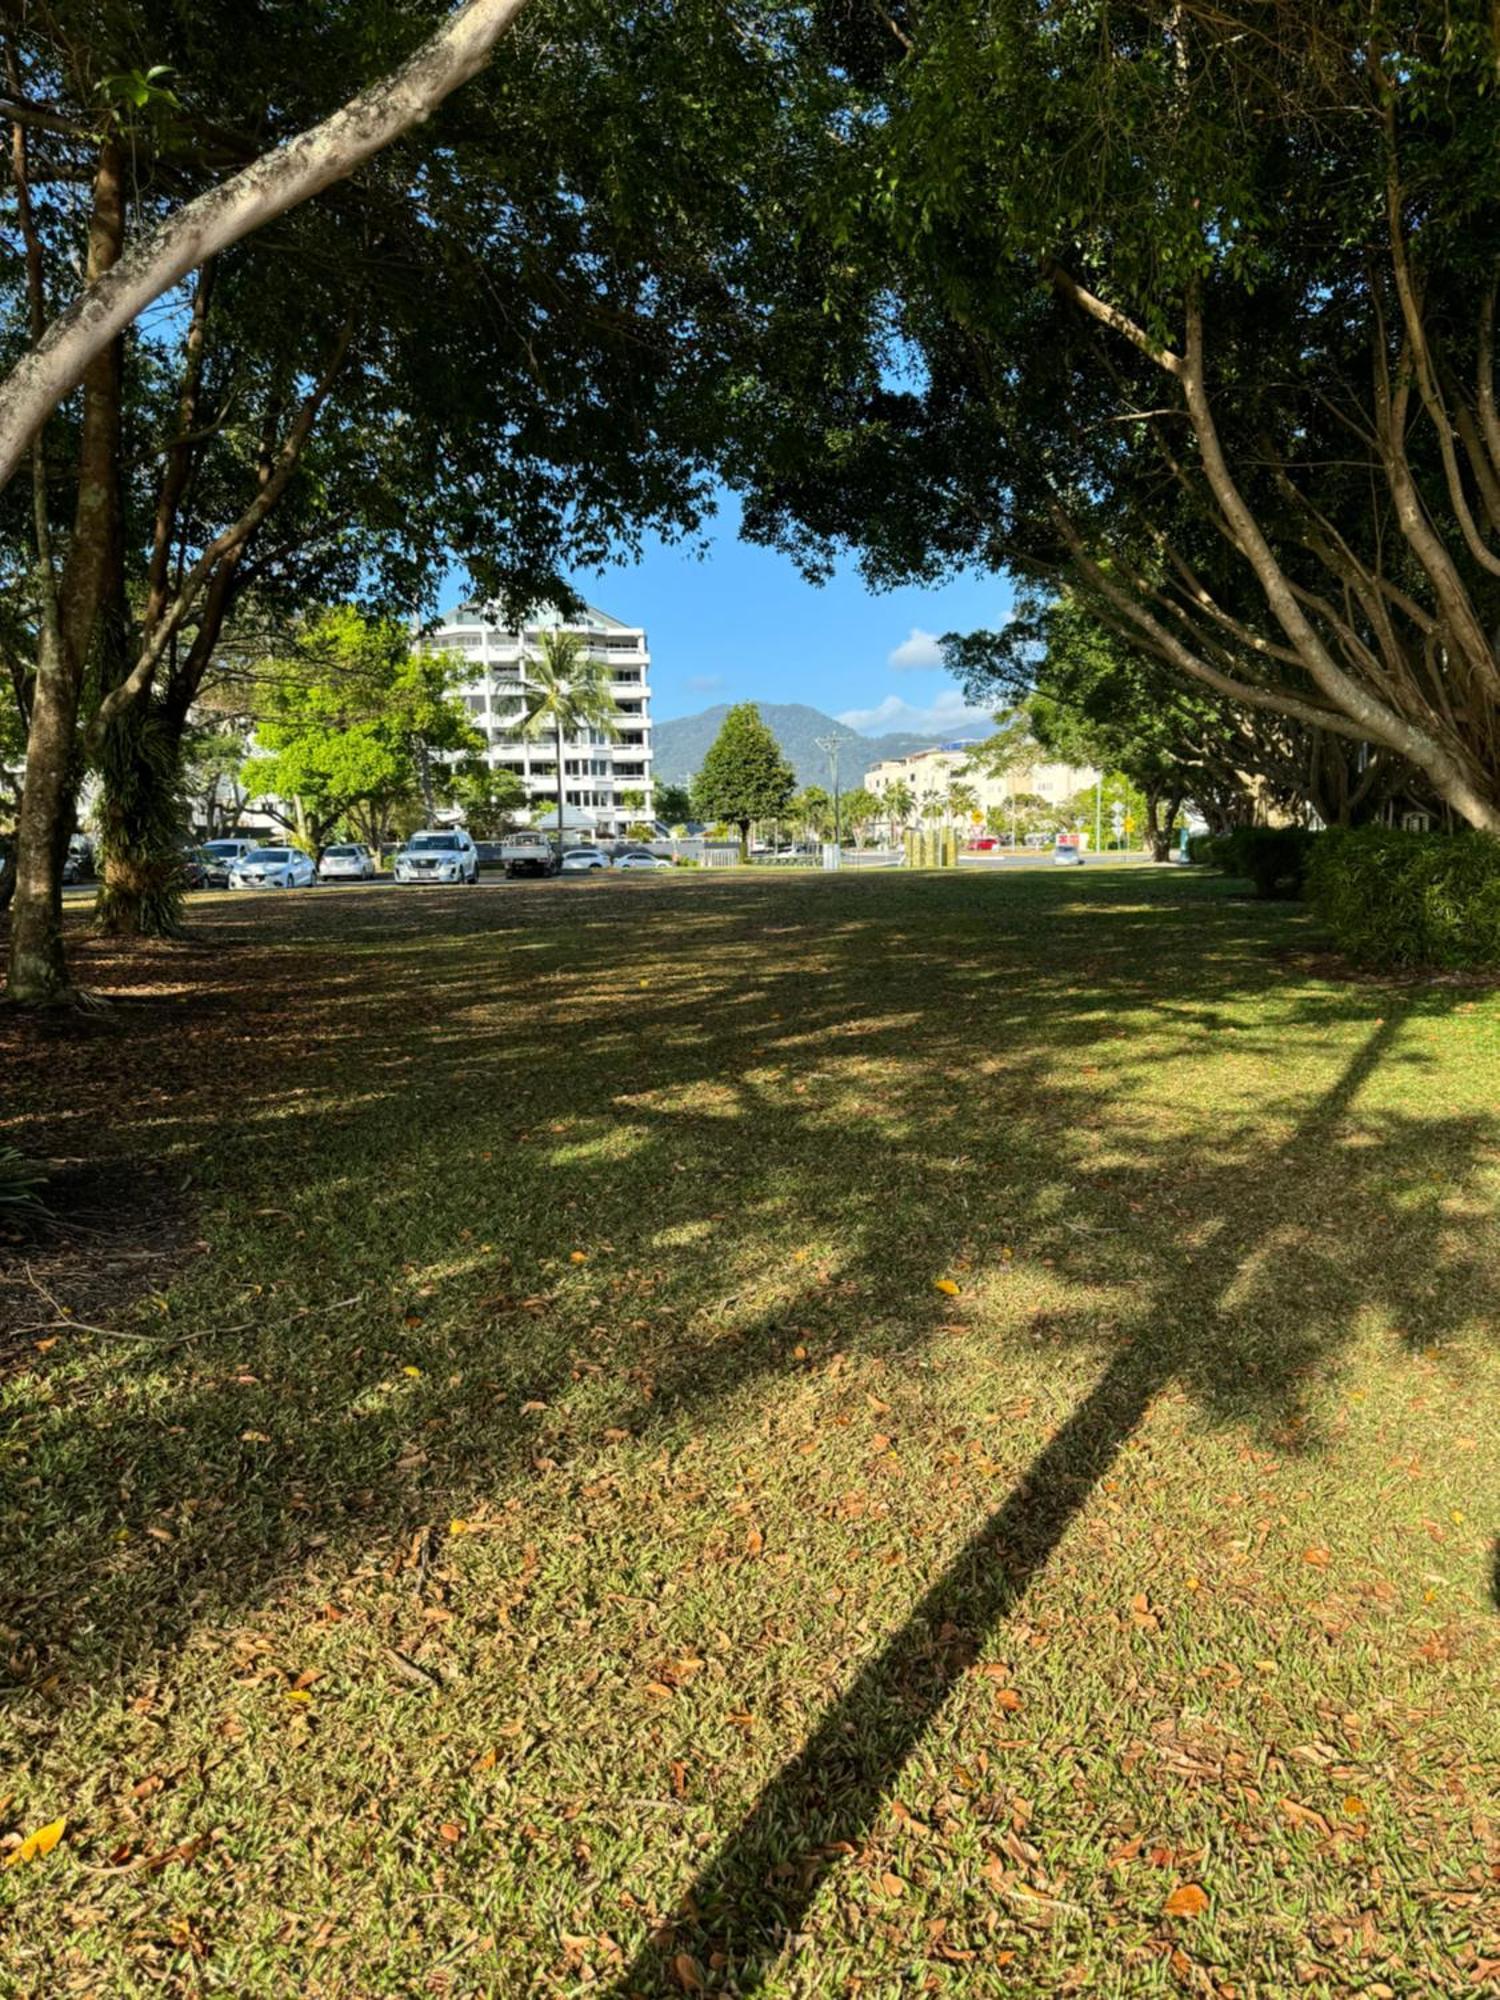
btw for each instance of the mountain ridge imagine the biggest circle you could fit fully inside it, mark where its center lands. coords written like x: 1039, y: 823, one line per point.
x: 681, y: 743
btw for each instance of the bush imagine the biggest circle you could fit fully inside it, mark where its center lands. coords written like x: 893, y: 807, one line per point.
x: 1274, y: 858
x: 1415, y: 900
x: 1209, y: 850
x: 21, y: 1184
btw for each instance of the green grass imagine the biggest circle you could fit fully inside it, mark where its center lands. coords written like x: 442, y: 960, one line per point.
x: 564, y: 1542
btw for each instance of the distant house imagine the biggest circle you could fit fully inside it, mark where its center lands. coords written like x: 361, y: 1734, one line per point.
x: 930, y: 773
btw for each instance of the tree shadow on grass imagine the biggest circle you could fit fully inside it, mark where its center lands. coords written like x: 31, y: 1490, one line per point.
x: 746, y: 1907
x: 369, y: 1118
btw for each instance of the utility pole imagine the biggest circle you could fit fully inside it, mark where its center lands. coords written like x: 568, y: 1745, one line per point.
x: 1099, y: 813
x: 829, y: 745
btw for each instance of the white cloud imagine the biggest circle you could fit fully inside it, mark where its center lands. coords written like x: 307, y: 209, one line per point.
x: 947, y: 715
x: 919, y: 652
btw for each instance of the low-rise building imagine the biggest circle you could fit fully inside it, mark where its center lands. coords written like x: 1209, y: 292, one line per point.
x: 929, y: 775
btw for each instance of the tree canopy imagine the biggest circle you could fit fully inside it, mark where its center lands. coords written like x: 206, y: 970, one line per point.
x: 1191, y: 305
x: 349, y: 724
x: 744, y: 776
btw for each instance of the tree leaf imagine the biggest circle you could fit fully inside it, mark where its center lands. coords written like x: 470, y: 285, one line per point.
x: 1187, y: 1900
x: 36, y: 1844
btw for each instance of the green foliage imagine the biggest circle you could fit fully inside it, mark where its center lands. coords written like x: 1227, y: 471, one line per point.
x: 21, y: 1184
x: 349, y: 722
x: 1396, y: 900
x: 810, y: 812
x: 1274, y: 858
x: 858, y: 810
x: 674, y: 804
x: 744, y: 776
x: 898, y: 802
x: 490, y: 799
x: 1046, y: 211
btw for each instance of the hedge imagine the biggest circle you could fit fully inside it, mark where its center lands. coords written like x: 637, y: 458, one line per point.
x: 1397, y: 900
x: 1274, y: 858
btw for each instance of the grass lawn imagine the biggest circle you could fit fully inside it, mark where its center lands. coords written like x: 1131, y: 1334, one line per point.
x: 823, y: 1436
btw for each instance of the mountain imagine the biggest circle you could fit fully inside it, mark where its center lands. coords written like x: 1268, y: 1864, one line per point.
x: 682, y: 744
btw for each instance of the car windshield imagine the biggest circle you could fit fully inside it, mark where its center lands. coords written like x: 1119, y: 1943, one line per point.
x: 340, y: 853
x: 223, y: 847
x: 434, y: 843
x: 270, y: 854
x: 582, y: 853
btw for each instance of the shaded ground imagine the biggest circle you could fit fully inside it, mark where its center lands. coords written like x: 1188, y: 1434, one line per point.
x: 562, y: 1538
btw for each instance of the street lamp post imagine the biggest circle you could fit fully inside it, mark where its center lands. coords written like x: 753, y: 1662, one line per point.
x: 829, y: 745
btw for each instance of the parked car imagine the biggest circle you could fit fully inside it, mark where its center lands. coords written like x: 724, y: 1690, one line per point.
x: 491, y: 853
x: 352, y: 862
x: 194, y: 867
x: 640, y: 857
x: 1067, y: 853
x: 440, y: 854
x: 584, y: 860
x: 273, y: 868
x: 78, y: 862
x: 528, y: 852
x: 220, y: 859
x: 986, y: 843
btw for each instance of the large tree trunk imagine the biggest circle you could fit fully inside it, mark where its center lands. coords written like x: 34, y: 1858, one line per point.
x: 142, y: 825
x: 258, y: 194
x: 38, y: 973
x: 1158, y: 836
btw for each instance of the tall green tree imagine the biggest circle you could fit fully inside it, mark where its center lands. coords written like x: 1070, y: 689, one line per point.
x: 899, y: 802
x: 744, y: 777
x: 350, y: 724
x: 811, y: 813
x: 567, y: 694
x: 507, y: 339
x: 1233, y: 380
x: 859, y: 810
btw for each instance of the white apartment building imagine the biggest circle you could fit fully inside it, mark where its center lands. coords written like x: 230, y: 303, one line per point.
x: 929, y: 773
x: 597, y: 771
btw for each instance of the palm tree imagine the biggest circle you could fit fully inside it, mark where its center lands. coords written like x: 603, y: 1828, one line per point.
x: 566, y: 691
x: 898, y: 803
x: 962, y: 800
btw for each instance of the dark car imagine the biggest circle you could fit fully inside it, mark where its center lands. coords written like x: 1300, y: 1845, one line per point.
x: 195, y: 866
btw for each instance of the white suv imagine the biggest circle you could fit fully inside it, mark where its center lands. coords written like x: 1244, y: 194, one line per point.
x: 442, y: 854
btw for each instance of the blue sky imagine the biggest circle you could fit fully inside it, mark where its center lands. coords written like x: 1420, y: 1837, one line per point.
x: 740, y: 624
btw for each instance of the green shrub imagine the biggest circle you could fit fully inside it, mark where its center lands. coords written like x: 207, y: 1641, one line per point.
x: 1420, y: 900
x: 1209, y: 850
x: 1274, y: 858
x: 21, y: 1183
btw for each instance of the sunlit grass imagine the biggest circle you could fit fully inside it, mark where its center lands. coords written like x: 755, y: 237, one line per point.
x: 567, y: 1541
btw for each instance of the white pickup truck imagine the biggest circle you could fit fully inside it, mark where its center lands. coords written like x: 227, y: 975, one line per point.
x: 527, y: 852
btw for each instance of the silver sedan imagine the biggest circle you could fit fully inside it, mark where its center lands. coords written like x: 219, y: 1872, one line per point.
x: 353, y: 863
